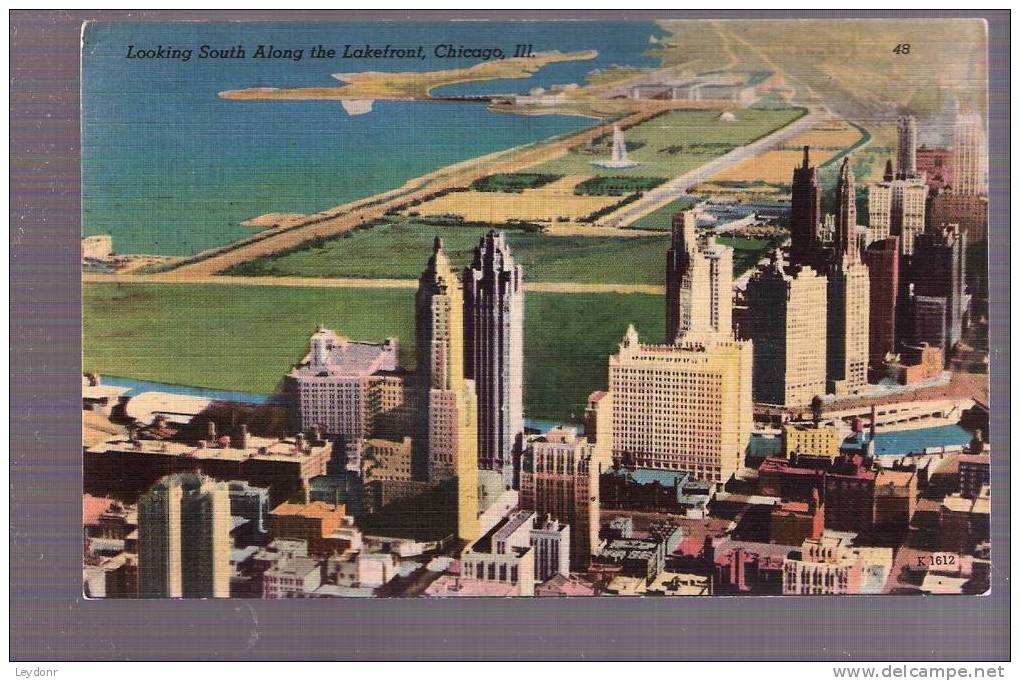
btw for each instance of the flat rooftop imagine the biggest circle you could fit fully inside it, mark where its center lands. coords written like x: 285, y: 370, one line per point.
x: 316, y: 509
x: 260, y: 448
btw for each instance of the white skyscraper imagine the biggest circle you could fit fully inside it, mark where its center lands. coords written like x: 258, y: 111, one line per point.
x: 699, y: 283
x: 970, y: 156
x: 896, y: 207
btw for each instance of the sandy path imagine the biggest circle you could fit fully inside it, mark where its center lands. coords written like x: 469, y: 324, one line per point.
x: 325, y: 282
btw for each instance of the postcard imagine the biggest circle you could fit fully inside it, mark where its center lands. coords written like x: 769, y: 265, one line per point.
x: 440, y: 309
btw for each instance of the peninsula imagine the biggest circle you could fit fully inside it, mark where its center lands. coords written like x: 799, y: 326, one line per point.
x: 412, y: 85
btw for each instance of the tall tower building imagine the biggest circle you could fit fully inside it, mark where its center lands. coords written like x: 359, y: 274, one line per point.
x: 938, y: 270
x: 720, y: 285
x: 849, y: 301
x: 970, y: 156
x: 688, y: 305
x: 896, y: 207
x: 906, y: 147
x: 699, y: 283
x: 845, y: 236
x: 184, y: 538
x: 805, y: 212
x: 447, y: 437
x: 494, y: 347
x: 560, y: 477
x: 787, y: 313
x: 684, y: 406
x: 882, y: 258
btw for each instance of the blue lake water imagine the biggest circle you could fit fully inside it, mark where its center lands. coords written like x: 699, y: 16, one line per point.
x: 170, y: 168
x: 135, y: 387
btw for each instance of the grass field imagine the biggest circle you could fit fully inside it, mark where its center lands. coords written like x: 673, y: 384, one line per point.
x: 400, y: 249
x: 661, y: 219
x: 676, y: 142
x: 746, y: 252
x: 246, y: 337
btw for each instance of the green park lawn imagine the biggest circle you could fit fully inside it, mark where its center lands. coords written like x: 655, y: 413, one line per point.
x: 400, y: 249
x: 747, y: 252
x: 661, y: 219
x: 676, y: 142
x: 246, y: 338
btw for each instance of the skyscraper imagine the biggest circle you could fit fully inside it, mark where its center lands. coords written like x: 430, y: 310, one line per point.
x: 937, y: 270
x: 720, y: 285
x: 848, y: 299
x: 447, y: 437
x: 787, y: 312
x: 805, y: 212
x: 331, y: 388
x: 686, y: 277
x: 184, y: 538
x: 936, y: 164
x: 906, y: 147
x: 896, y: 207
x: 970, y: 156
x: 971, y: 214
x: 849, y: 302
x: 494, y: 351
x: 845, y: 236
x: 882, y: 258
x: 699, y: 283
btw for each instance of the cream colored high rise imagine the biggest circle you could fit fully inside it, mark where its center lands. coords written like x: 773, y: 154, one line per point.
x: 970, y: 156
x: 448, y: 422
x: 788, y: 326
x: 699, y: 282
x: 184, y: 538
x: 683, y: 407
x: 896, y: 207
x: 720, y: 285
x: 849, y: 300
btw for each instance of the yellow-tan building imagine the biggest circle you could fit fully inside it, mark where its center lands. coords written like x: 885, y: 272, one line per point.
x: 684, y: 407
x: 386, y: 459
x: 699, y: 282
x: 896, y: 207
x: 849, y: 301
x: 448, y: 423
x: 802, y: 438
x: 787, y: 314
